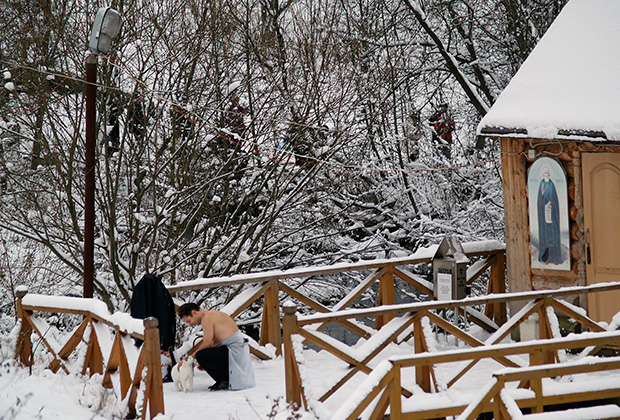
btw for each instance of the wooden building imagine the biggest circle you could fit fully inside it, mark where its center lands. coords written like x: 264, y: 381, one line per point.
x: 558, y: 124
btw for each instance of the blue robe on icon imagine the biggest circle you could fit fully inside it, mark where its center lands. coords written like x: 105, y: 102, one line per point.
x: 549, y: 243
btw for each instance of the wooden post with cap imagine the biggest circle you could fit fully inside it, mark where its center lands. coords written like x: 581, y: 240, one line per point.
x: 150, y: 358
x: 154, y: 391
x: 291, y: 370
x: 23, y: 347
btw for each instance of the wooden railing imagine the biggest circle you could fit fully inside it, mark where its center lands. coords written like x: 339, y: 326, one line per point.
x: 272, y: 286
x: 544, y: 303
x: 94, y: 330
x: 506, y: 404
x: 387, y: 377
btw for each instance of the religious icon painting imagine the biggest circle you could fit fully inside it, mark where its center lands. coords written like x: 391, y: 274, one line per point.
x: 548, y: 207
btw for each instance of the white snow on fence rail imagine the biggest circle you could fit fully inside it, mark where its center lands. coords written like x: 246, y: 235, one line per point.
x: 123, y: 320
x: 370, y: 383
x: 600, y: 412
x: 240, y: 299
x: 301, y: 272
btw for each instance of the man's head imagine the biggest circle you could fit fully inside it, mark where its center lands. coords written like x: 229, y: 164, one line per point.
x: 188, y: 312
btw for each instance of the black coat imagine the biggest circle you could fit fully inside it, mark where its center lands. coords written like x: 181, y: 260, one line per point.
x: 151, y: 298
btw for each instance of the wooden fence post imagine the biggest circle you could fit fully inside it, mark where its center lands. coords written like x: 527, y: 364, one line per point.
x: 544, y: 329
x: 117, y: 362
x: 395, y: 394
x: 499, y: 410
x: 497, y: 284
x: 386, y: 296
x: 422, y: 373
x: 291, y: 370
x: 154, y: 391
x: 93, y: 362
x: 23, y: 348
x: 270, y: 324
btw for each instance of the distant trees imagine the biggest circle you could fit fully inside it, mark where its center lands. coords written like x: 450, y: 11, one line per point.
x: 336, y: 160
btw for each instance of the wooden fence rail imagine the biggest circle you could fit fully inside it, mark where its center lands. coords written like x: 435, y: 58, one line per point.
x: 546, y: 304
x: 272, y: 286
x: 387, y: 383
x: 534, y: 375
x: 95, y: 332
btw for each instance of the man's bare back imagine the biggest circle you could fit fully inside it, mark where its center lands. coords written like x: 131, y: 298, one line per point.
x: 216, y: 326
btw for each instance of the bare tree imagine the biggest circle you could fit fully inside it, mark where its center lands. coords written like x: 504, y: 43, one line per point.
x: 236, y: 136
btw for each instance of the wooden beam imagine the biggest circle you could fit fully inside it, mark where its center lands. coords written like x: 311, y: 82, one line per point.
x: 70, y: 345
x: 258, y: 353
x: 500, y: 411
x: 320, y: 308
x: 117, y: 361
x: 415, y: 281
x: 23, y: 347
x: 382, y: 385
x: 497, y: 284
x: 582, y: 319
x: 395, y: 395
x: 473, y: 301
x: 422, y: 373
x: 94, y: 359
x: 270, y: 325
x: 333, y: 350
x: 424, y: 255
x: 472, y: 341
x: 154, y: 391
x: 355, y: 367
x: 378, y: 412
x: 481, y: 319
x: 291, y: 370
x: 476, y: 408
x: 508, y: 350
x: 386, y: 296
x: 45, y: 342
x: 135, y: 385
x: 250, y: 300
x: 516, y: 216
x: 84, y: 313
x: 358, y: 290
x: 480, y: 267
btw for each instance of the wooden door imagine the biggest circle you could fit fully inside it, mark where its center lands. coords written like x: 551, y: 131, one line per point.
x: 601, y: 200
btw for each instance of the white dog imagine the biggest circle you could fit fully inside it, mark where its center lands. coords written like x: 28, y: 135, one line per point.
x: 182, y: 373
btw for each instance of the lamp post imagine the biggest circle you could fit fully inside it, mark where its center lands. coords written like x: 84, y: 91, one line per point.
x: 106, y: 27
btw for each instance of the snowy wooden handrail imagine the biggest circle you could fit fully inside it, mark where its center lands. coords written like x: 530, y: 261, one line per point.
x: 384, y: 380
x: 505, y: 407
x: 417, y: 314
x: 270, y: 283
x: 94, y: 329
x: 95, y: 309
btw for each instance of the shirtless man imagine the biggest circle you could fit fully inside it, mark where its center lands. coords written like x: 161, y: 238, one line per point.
x: 224, y: 352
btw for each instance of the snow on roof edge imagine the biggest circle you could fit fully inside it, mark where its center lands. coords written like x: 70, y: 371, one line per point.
x: 572, y: 135
x: 568, y: 82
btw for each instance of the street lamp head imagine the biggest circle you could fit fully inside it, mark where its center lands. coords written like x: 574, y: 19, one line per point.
x: 106, y: 27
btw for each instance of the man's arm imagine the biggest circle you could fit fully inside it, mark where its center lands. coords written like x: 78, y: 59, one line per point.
x: 208, y: 331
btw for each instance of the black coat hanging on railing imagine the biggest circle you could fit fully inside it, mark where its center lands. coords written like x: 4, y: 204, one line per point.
x: 151, y: 298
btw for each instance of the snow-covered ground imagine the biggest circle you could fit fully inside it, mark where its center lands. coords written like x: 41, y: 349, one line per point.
x: 44, y: 395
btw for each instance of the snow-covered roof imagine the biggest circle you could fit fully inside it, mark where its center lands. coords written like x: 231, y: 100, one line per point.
x: 569, y: 86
